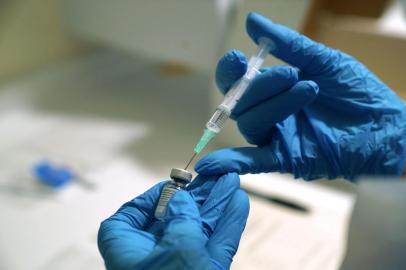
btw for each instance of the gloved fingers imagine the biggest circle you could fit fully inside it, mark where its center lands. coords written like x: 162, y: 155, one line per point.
x: 121, y: 245
x: 183, y: 224
x: 201, y: 187
x: 266, y: 85
x: 219, y: 197
x: 290, y: 46
x: 241, y: 160
x: 122, y: 240
x: 256, y: 123
x: 211, y: 194
x: 231, y: 67
x: 223, y: 243
x: 140, y: 211
x: 177, y: 258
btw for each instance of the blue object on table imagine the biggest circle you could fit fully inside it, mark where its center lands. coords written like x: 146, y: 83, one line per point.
x: 328, y: 116
x: 52, y: 175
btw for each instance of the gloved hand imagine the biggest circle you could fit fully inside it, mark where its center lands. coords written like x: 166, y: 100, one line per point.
x: 202, y: 229
x: 331, y: 117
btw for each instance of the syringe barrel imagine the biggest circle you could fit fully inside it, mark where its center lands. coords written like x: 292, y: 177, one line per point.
x: 223, y: 111
x: 235, y: 93
x: 218, y: 119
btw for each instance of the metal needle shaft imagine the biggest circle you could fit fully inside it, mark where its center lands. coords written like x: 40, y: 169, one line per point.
x: 190, y: 161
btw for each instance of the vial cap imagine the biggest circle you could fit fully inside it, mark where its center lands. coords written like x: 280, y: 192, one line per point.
x: 178, y: 174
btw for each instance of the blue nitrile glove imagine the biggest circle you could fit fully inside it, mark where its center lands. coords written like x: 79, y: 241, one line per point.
x: 330, y: 117
x: 202, y: 229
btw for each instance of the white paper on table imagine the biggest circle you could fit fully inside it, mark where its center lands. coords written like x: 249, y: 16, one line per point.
x: 280, y: 238
x: 39, y: 226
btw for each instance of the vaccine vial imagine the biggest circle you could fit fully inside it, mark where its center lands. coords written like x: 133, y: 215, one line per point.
x: 180, y: 179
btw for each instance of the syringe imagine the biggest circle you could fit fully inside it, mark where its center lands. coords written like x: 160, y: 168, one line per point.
x: 223, y: 111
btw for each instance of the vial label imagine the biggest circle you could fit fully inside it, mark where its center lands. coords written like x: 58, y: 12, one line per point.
x: 166, y: 195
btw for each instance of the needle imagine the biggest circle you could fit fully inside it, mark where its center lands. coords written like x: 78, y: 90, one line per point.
x: 190, y: 161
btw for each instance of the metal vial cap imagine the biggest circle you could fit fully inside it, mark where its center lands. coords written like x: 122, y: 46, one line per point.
x: 182, y: 175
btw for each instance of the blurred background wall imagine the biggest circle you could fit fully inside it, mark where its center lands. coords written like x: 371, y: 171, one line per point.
x: 372, y: 31
x: 32, y: 35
